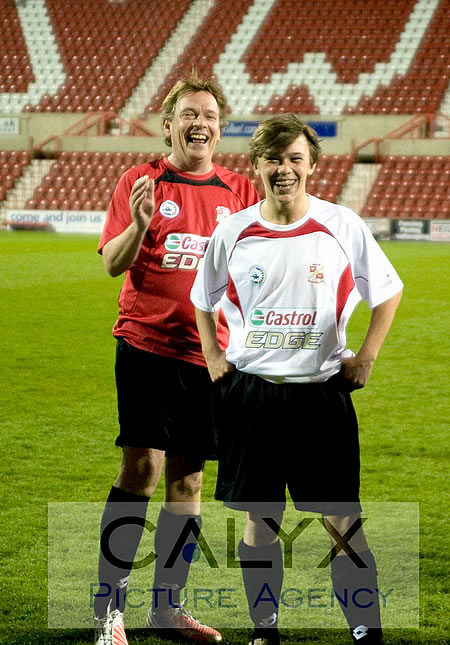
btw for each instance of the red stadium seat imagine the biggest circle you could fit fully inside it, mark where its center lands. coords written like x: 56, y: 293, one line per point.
x: 103, y: 63
x: 413, y: 185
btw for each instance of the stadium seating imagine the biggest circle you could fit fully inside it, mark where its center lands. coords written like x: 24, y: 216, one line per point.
x: 413, y: 187
x: 222, y: 21
x: 367, y: 50
x: 326, y: 182
x: 83, y: 180
x: 423, y: 86
x: 357, y: 44
x: 271, y: 57
x: 406, y: 186
x: 105, y: 49
x: 86, y: 180
x: 15, y: 66
x: 12, y: 164
x: 95, y: 53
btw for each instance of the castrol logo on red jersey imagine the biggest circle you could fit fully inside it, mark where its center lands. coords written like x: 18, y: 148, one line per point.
x: 186, y: 242
x: 185, y: 251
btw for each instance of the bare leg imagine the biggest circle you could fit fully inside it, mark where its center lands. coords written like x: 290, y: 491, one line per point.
x: 184, y: 477
x: 140, y: 470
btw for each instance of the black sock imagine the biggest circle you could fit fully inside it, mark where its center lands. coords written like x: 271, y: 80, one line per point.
x: 172, y: 564
x: 356, y: 591
x: 119, y: 541
x: 262, y: 585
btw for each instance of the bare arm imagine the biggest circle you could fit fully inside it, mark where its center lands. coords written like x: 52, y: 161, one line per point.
x: 218, y: 366
x: 120, y: 253
x: 357, y: 369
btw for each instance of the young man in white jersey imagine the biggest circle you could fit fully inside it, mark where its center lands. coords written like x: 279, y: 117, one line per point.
x: 288, y: 273
x: 160, y: 219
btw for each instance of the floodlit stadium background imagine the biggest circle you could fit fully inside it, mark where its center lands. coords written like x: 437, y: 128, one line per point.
x: 81, y: 85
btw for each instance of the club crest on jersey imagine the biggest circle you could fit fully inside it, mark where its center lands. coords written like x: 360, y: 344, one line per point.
x: 169, y: 209
x: 257, y: 274
x: 222, y: 213
x: 315, y: 273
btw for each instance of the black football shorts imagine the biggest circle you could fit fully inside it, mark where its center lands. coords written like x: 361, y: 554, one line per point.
x: 163, y: 403
x: 303, y: 437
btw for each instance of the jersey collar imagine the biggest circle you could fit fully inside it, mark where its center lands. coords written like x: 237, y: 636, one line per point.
x: 189, y: 175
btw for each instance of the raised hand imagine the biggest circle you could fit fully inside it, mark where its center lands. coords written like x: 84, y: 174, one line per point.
x: 142, y: 202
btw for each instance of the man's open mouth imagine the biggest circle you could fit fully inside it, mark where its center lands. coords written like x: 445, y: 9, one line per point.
x: 197, y: 138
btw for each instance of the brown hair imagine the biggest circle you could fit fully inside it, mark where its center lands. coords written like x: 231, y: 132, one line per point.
x: 277, y: 133
x: 188, y: 85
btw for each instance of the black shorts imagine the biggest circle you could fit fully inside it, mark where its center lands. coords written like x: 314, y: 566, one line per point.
x: 164, y: 403
x: 300, y: 436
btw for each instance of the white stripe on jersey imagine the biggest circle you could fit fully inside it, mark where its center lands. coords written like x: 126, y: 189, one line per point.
x: 288, y: 291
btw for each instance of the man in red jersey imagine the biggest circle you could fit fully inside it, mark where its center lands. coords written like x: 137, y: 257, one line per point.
x: 161, y: 217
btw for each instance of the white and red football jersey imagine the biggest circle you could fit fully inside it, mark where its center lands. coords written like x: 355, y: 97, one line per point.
x: 288, y: 291
x: 156, y: 313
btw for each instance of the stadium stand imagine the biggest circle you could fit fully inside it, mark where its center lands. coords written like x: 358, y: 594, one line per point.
x: 422, y: 87
x: 15, y: 68
x: 101, y: 48
x: 121, y: 57
x: 85, y: 180
x: 326, y: 183
x: 394, y: 61
x: 411, y: 186
x: 222, y: 21
x: 12, y: 164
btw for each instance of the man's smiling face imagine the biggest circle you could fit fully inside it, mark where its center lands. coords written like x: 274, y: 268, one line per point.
x: 194, y: 132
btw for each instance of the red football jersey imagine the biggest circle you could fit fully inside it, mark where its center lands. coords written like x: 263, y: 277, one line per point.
x: 156, y: 313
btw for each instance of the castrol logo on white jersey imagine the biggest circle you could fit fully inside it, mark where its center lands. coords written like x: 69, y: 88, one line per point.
x: 283, y: 328
x: 282, y: 317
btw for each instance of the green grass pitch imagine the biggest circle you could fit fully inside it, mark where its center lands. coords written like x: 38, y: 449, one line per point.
x: 58, y: 421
